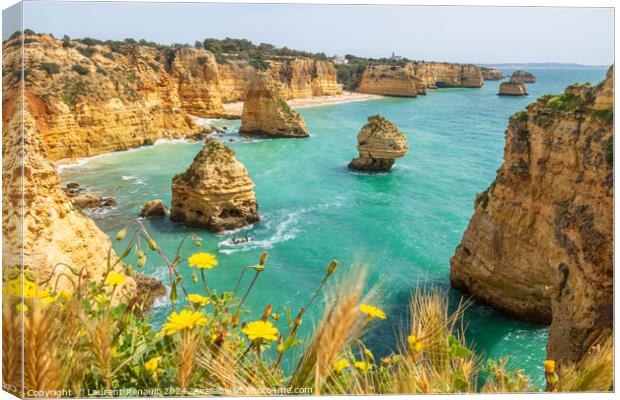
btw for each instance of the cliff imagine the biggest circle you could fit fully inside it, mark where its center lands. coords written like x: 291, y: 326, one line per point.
x: 215, y: 192
x: 414, y: 78
x: 379, y: 143
x: 512, y: 88
x: 265, y: 111
x: 540, y: 243
x: 297, y: 78
x: 491, y: 74
x: 391, y: 81
x: 54, y: 233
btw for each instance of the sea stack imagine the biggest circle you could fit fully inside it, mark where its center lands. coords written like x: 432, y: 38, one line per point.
x: 523, y: 76
x: 379, y: 143
x: 491, y: 74
x: 512, y: 88
x: 215, y: 192
x: 266, y: 113
x: 540, y: 243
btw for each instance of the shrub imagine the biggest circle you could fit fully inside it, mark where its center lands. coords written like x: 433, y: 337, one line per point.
x: 567, y: 102
x: 50, y: 68
x: 80, y: 69
x: 607, y: 116
x: 520, y: 116
x: 202, y: 60
x: 87, y: 51
x: 66, y: 41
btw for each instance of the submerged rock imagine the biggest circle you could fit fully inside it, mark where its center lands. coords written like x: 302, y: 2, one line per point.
x: 215, y: 192
x: 380, y: 142
x: 539, y: 245
x: 81, y: 199
x: 512, y: 88
x: 154, y: 208
x: 265, y: 111
x: 523, y: 76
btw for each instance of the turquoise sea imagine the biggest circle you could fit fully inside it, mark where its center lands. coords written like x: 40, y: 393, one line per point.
x: 403, y: 225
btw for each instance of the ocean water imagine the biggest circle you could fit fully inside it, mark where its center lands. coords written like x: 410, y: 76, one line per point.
x: 403, y: 226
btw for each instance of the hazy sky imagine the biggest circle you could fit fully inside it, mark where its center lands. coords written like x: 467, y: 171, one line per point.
x: 448, y: 33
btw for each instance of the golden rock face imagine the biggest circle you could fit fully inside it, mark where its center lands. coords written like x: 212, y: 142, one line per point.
x: 540, y: 243
x: 265, y: 111
x: 215, y: 192
x: 380, y: 142
x: 512, y: 88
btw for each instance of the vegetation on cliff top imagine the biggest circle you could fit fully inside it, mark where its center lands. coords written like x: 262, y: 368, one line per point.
x: 90, y: 341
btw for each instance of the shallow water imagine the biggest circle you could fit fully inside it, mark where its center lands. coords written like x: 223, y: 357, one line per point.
x: 403, y: 225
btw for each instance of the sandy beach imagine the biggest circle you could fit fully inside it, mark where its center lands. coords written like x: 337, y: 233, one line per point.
x: 346, y: 97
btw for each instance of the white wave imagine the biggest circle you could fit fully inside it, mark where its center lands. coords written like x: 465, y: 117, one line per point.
x: 159, y: 142
x: 136, y: 180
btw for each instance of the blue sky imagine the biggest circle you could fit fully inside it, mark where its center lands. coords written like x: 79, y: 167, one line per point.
x: 448, y: 33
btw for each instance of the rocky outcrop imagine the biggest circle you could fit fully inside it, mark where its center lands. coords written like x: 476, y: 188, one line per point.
x: 438, y: 75
x: 540, y: 243
x: 215, y: 192
x: 379, y: 143
x: 389, y: 80
x: 154, y: 208
x: 512, y: 88
x: 491, y: 74
x: 523, y: 76
x: 83, y: 199
x: 53, y: 233
x: 265, y: 111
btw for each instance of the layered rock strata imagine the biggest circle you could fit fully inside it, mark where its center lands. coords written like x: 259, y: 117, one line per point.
x: 379, y: 143
x: 491, y: 74
x: 523, y: 76
x: 265, y: 111
x: 512, y: 88
x: 215, y: 192
x: 540, y: 243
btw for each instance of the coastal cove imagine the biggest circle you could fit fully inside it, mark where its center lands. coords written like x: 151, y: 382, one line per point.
x: 404, y: 226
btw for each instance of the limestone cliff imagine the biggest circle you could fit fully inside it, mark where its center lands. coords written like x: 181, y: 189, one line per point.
x: 391, y: 81
x: 215, y: 192
x: 379, y: 143
x: 491, y: 74
x: 512, y: 88
x: 437, y: 75
x: 297, y: 78
x: 54, y: 232
x: 540, y: 243
x: 265, y: 111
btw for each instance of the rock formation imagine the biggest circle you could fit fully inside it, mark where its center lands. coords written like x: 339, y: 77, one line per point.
x: 215, y: 192
x: 154, y: 208
x: 512, y: 88
x: 491, y: 74
x: 391, y: 81
x: 438, y: 75
x: 523, y: 76
x: 265, y: 111
x: 379, y: 143
x: 540, y: 243
x: 82, y: 199
x: 54, y: 233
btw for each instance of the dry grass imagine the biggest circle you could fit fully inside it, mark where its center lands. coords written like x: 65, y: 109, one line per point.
x: 11, y: 348
x: 593, y: 373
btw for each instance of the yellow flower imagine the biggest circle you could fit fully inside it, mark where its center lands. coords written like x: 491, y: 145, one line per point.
x: 21, y: 308
x: 15, y: 288
x: 202, y: 261
x: 549, y: 366
x: 261, y: 330
x: 414, y: 344
x: 340, y: 365
x: 198, y: 300
x: 372, y: 311
x: 46, y: 297
x: 363, y: 365
x: 152, y: 364
x: 101, y: 298
x: 114, y: 278
x: 65, y: 295
x: 184, y: 320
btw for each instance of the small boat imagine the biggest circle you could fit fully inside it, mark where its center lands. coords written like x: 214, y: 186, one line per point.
x: 237, y: 241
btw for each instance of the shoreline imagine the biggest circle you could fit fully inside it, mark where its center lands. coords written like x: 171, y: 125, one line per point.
x: 236, y: 108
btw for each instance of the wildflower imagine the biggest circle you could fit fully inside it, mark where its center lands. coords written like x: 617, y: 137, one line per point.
x: 46, y: 297
x: 363, y: 366
x: 152, y: 364
x: 121, y: 234
x: 372, y: 311
x: 414, y: 344
x: 114, y: 278
x: 184, y: 320
x: 65, y: 295
x: 202, y: 261
x: 549, y: 366
x: 15, y: 287
x: 198, y: 300
x: 101, y: 298
x: 21, y: 308
x: 261, y: 330
x: 341, y: 365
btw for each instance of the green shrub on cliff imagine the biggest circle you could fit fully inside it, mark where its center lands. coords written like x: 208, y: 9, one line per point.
x: 50, y: 68
x: 80, y: 69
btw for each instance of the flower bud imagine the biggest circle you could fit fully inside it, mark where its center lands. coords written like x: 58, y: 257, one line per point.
x: 263, y: 258
x: 194, y: 277
x: 332, y: 267
x: 198, y: 243
x: 275, y: 316
x: 121, y: 234
x: 267, y: 312
x: 549, y: 366
x: 153, y: 244
x: 141, y: 262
